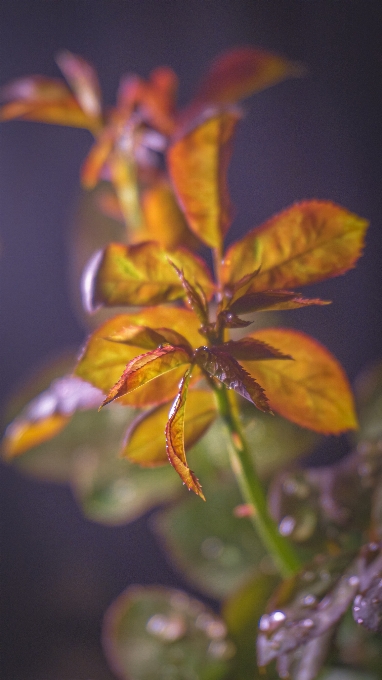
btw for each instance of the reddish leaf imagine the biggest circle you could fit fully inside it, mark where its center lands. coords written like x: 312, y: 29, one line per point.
x: 103, y: 362
x: 312, y: 390
x: 150, y: 338
x: 309, y: 242
x: 46, y: 415
x: 249, y: 349
x: 272, y: 300
x: 198, y: 164
x: 240, y: 72
x: 145, y: 367
x: 145, y: 440
x: 139, y: 275
x: 154, y: 99
x: 196, y: 300
x: 46, y: 100
x: 230, y: 320
x: 225, y: 368
x: 83, y: 80
x: 175, y: 438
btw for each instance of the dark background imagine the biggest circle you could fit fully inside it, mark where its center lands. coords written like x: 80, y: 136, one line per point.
x: 316, y: 137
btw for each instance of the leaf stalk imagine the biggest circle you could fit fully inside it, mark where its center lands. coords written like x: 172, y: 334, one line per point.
x: 250, y: 485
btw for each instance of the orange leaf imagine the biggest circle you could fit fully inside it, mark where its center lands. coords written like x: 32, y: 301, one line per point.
x: 83, y: 80
x: 145, y: 440
x: 221, y: 365
x: 139, y: 275
x: 95, y: 160
x: 308, y: 242
x: 312, y: 390
x: 45, y: 100
x: 164, y: 220
x: 175, y: 438
x: 46, y: 415
x: 146, y: 367
x: 23, y: 435
x: 103, y: 362
x: 240, y: 72
x: 198, y: 165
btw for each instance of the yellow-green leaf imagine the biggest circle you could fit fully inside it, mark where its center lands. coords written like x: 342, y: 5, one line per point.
x: 313, y: 390
x: 146, y: 367
x: 198, y: 164
x: 140, y: 275
x: 102, y: 362
x: 175, y: 438
x: 309, y: 242
x: 145, y: 440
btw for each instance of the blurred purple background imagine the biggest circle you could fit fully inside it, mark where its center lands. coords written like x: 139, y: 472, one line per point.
x: 316, y: 137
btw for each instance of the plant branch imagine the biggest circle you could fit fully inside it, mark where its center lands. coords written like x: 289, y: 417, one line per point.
x: 279, y: 547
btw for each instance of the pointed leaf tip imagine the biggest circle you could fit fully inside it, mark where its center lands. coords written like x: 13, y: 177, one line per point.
x: 146, y: 367
x: 306, y: 243
x: 175, y: 438
x: 222, y: 365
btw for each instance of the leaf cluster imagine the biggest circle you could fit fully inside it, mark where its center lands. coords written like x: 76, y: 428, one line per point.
x: 169, y: 360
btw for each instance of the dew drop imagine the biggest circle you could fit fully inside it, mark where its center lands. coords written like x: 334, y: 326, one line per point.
x: 166, y: 628
x: 212, y: 548
x: 309, y: 600
x: 353, y: 581
x: 287, y: 525
x: 307, y: 623
x: 264, y: 623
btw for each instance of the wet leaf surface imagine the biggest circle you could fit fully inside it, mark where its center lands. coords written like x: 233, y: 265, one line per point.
x: 86, y: 455
x: 157, y: 633
x: 241, y: 612
x: 216, y: 550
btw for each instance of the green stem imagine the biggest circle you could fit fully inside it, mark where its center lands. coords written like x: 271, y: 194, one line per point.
x: 279, y: 547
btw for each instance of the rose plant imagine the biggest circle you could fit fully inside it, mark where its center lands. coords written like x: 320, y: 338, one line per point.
x: 185, y: 359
